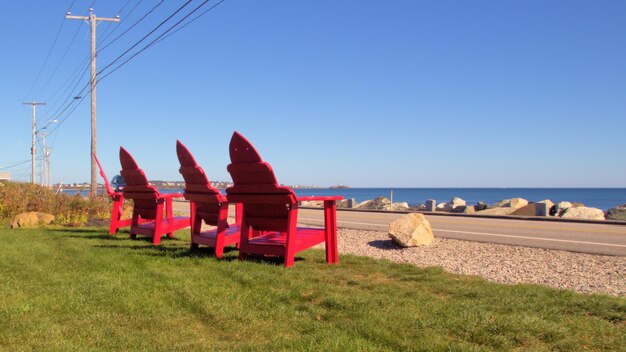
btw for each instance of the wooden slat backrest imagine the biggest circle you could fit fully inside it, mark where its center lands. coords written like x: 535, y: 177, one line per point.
x: 198, y: 189
x: 137, y: 187
x: 266, y: 203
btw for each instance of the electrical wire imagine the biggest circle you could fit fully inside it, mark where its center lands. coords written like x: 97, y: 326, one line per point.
x: 153, y: 42
x: 146, y: 36
x: 190, y: 21
x: 106, y: 35
x: 132, y: 26
x: 45, y: 62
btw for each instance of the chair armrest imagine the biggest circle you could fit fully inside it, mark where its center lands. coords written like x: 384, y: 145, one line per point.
x: 171, y: 195
x: 318, y: 198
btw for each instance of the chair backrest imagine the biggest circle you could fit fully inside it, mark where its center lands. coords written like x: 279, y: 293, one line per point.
x: 137, y: 187
x: 266, y: 203
x: 107, y: 185
x: 198, y: 189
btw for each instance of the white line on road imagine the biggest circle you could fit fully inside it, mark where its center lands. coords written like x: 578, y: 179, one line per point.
x: 488, y: 234
x: 532, y: 238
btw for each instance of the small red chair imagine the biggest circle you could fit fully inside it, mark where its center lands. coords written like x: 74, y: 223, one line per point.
x: 270, y: 211
x: 206, y: 204
x: 149, y: 204
x: 118, y: 204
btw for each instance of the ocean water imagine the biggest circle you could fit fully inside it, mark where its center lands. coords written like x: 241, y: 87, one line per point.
x: 603, y: 198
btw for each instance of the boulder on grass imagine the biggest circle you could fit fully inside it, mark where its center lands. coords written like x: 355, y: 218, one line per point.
x: 584, y: 213
x: 32, y: 219
x: 617, y: 213
x: 411, y: 230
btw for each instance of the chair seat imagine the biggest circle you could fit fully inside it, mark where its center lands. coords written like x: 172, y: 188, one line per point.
x: 208, y: 238
x: 274, y: 243
x: 167, y: 225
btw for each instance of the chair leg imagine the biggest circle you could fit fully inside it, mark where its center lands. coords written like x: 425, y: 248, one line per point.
x: 244, y: 237
x: 169, y: 214
x: 290, y: 245
x: 330, y: 230
x: 133, y: 224
x: 158, y: 224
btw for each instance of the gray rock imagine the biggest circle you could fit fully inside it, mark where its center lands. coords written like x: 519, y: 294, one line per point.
x: 500, y: 204
x: 380, y: 203
x: 419, y: 207
x: 497, y: 211
x: 444, y: 207
x: 518, y: 203
x: 617, y: 213
x: 431, y: 205
x: 402, y: 206
x: 346, y: 203
x: 411, y: 230
x: 584, y: 213
x: 456, y: 202
x: 480, y: 206
x: 561, y: 208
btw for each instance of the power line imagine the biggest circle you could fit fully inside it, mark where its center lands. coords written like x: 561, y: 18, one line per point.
x: 131, y: 27
x: 147, y: 35
x: 153, y: 42
x: 45, y: 62
x: 108, y: 33
x: 191, y: 21
x: 15, y: 165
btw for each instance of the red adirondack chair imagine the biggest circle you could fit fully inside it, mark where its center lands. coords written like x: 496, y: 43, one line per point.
x: 270, y: 211
x: 149, y: 204
x: 206, y: 204
x: 118, y: 204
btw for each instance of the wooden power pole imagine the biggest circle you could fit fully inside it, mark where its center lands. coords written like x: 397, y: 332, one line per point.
x: 93, y: 21
x: 33, y: 147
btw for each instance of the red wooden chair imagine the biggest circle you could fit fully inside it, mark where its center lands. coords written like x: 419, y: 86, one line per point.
x: 270, y: 211
x: 206, y: 204
x: 149, y: 204
x: 118, y: 204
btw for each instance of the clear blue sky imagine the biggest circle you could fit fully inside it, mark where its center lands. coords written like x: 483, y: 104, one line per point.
x: 365, y: 93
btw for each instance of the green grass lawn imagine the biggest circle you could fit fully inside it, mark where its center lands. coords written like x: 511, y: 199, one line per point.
x: 81, y: 289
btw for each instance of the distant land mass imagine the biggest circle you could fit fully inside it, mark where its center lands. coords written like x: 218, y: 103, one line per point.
x: 339, y: 187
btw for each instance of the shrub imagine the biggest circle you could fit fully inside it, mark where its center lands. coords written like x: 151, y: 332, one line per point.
x: 16, y: 198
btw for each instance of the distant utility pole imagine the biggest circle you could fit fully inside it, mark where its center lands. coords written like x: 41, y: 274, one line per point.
x: 33, y: 104
x: 93, y: 21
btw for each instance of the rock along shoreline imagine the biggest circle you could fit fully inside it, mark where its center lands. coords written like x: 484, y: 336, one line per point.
x: 508, y: 207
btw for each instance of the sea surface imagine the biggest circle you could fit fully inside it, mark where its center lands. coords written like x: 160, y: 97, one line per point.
x: 603, y: 198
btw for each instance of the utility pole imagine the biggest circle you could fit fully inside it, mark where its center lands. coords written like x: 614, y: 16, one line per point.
x: 45, y: 161
x: 93, y: 21
x: 33, y: 149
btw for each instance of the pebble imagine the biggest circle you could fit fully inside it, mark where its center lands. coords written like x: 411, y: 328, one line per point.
x: 580, y: 272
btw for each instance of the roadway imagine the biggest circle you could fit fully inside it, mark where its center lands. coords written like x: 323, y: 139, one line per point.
x: 595, y: 238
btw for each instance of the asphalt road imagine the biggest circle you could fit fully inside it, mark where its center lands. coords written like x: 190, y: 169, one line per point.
x: 569, y: 236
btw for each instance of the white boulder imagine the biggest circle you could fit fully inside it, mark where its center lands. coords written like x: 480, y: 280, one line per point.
x: 411, y: 230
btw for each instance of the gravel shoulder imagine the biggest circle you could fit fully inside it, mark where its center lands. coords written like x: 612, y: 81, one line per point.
x: 586, y: 273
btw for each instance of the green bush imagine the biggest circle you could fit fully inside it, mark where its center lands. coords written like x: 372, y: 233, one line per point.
x: 16, y: 198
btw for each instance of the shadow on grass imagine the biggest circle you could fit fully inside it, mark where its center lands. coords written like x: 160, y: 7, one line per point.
x: 203, y: 252
x: 385, y: 244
